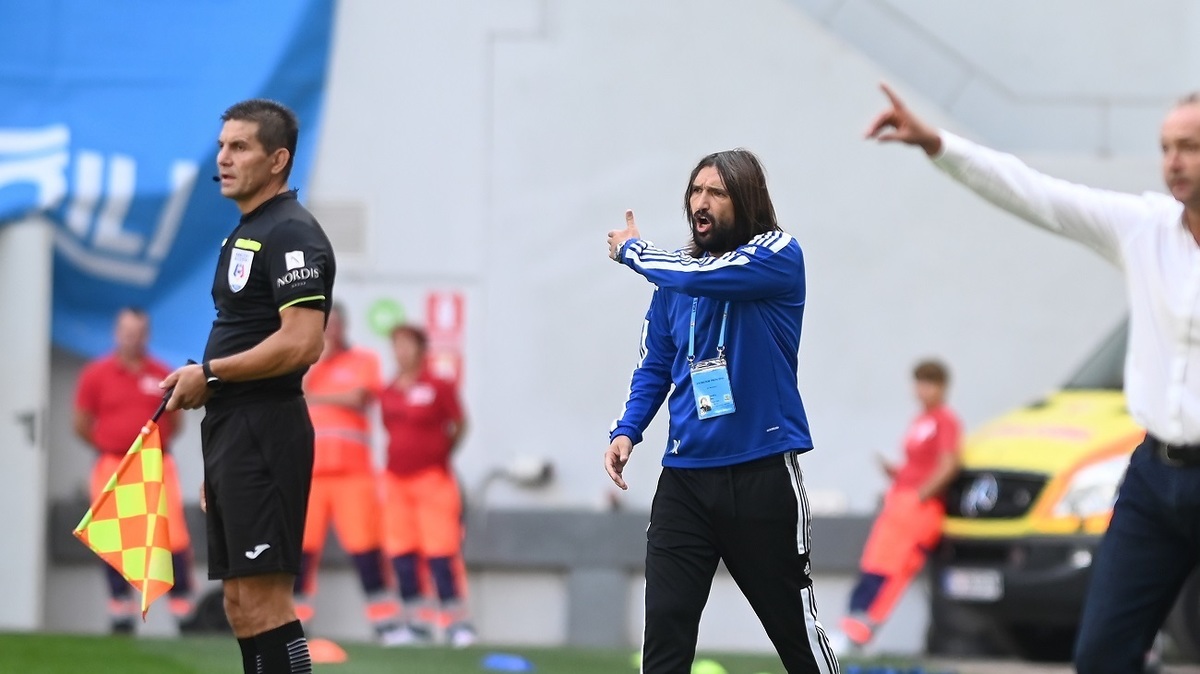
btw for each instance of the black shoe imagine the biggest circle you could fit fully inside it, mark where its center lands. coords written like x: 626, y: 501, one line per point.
x: 208, y: 616
x: 122, y: 626
x: 192, y: 624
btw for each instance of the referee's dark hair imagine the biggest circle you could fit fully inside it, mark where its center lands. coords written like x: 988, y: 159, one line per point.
x: 746, y: 183
x: 133, y: 309
x: 277, y: 125
x: 932, y: 371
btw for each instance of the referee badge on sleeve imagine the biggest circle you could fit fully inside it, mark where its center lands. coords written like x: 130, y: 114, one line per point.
x: 239, y: 268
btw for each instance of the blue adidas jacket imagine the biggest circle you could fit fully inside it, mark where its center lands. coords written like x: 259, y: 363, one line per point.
x: 764, y: 283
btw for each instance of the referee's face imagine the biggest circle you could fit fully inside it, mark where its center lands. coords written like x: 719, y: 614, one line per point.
x: 246, y: 170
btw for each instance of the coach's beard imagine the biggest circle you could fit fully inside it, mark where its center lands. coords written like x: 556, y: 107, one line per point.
x: 718, y: 236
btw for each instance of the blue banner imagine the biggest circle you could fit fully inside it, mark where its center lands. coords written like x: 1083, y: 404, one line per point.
x: 109, y: 115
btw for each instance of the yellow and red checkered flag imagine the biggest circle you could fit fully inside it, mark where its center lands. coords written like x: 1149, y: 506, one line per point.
x: 127, y: 525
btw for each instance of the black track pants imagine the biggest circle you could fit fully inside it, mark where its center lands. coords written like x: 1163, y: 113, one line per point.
x: 754, y: 517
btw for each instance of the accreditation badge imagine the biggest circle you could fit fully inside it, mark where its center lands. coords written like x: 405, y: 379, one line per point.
x: 710, y: 386
x: 239, y: 268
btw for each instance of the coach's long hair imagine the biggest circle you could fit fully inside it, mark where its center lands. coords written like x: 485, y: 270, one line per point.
x: 746, y: 183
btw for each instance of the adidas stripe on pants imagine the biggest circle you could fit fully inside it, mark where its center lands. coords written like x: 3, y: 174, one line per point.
x: 753, y: 517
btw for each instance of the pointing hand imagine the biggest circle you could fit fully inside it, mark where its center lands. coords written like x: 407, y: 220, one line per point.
x: 618, y: 237
x: 905, y: 127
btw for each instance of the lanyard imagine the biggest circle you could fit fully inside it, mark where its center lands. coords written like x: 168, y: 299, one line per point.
x: 692, y: 332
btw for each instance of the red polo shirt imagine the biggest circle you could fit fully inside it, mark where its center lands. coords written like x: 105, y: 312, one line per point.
x: 931, y: 434
x: 121, y: 400
x: 418, y: 421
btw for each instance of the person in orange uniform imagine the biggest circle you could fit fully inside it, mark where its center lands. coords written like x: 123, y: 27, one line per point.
x: 114, y: 397
x: 910, y: 524
x: 422, y: 504
x: 339, y: 389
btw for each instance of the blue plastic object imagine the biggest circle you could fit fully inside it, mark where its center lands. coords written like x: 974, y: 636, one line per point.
x: 506, y: 662
x: 884, y: 669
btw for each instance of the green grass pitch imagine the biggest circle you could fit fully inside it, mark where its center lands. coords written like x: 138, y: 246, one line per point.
x: 68, y: 654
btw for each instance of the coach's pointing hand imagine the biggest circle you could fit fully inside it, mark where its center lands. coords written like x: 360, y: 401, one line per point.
x: 191, y: 389
x: 618, y: 237
x: 906, y: 127
x: 618, y: 452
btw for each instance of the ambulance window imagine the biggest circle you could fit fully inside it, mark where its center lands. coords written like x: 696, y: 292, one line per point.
x: 1105, y: 368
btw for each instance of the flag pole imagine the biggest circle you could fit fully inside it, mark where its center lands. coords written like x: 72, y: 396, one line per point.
x: 162, y: 406
x: 104, y: 539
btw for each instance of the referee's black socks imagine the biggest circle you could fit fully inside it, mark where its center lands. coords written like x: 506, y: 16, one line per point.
x: 283, y: 650
x: 249, y: 655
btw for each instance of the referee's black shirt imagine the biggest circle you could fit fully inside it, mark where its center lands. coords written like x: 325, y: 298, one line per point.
x: 278, y: 257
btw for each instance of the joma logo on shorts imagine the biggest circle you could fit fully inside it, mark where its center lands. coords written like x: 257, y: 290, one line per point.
x: 297, y: 275
x: 258, y: 550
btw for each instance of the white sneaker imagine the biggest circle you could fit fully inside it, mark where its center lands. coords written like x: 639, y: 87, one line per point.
x: 841, y: 644
x: 401, y: 635
x: 461, y: 635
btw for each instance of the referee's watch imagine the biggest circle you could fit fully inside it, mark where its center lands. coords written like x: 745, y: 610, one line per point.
x: 211, y: 379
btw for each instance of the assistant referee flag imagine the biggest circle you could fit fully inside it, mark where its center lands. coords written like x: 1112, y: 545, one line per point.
x: 127, y: 525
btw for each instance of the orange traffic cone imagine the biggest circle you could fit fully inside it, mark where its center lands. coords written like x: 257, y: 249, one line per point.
x: 325, y: 652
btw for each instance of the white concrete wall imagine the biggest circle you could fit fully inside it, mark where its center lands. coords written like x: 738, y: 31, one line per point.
x: 1070, y: 76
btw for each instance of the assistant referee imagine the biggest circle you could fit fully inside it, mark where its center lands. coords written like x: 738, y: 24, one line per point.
x: 273, y: 290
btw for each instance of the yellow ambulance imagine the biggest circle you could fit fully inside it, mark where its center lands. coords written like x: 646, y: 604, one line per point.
x: 1025, y: 515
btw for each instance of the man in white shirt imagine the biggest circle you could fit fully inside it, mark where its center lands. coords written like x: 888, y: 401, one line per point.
x: 1153, y: 541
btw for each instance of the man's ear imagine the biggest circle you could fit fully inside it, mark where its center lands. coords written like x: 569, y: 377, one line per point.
x: 279, y: 160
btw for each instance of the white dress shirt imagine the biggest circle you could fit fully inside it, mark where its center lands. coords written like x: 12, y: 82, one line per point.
x: 1145, y: 236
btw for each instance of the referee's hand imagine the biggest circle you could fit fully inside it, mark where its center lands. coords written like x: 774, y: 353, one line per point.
x: 191, y: 388
x: 616, y: 457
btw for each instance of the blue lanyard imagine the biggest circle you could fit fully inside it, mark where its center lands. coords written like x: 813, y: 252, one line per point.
x: 692, y: 332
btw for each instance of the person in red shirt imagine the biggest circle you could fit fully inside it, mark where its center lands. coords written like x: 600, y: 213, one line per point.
x: 339, y: 389
x: 910, y: 523
x: 114, y: 397
x: 422, y: 505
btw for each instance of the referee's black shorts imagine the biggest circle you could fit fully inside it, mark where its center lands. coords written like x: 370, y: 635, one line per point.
x: 258, y: 458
